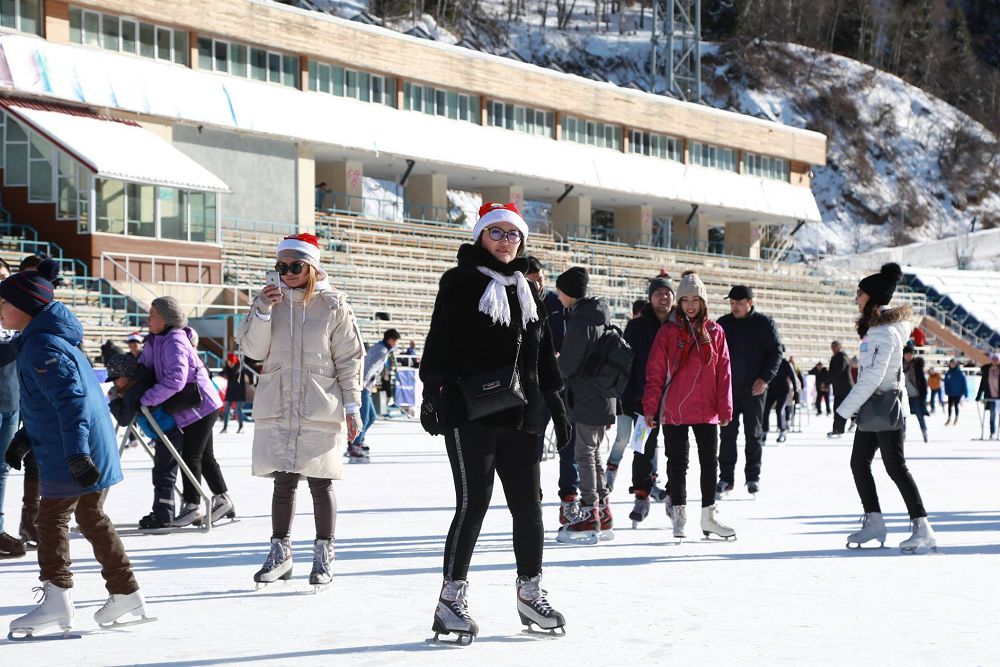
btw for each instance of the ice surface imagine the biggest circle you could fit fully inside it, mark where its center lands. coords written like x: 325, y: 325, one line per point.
x: 787, y: 592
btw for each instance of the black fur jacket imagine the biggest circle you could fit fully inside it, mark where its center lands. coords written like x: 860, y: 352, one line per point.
x: 463, y: 341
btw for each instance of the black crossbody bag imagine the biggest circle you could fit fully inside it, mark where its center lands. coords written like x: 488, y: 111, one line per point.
x: 490, y: 392
x: 883, y: 411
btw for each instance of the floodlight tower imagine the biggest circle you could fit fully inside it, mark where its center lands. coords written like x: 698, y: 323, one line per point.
x: 679, y: 21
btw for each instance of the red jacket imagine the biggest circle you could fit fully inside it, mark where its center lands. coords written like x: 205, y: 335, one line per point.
x: 701, y: 392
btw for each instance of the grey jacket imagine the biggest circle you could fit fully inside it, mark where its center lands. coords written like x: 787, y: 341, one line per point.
x: 9, y: 392
x: 584, y: 326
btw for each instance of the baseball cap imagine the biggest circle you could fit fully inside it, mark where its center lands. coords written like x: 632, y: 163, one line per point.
x: 740, y: 292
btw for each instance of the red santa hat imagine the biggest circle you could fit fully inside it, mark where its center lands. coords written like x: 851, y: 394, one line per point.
x: 304, y: 247
x: 492, y: 212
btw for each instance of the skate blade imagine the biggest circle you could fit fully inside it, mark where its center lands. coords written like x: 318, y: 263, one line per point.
x: 319, y: 588
x: 27, y: 636
x: 918, y: 551
x: 584, y: 538
x: 541, y: 633
x: 115, y: 625
x: 606, y: 535
x: 713, y: 537
x: 462, y: 639
x: 857, y: 546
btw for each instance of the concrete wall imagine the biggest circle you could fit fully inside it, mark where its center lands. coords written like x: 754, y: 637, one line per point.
x: 260, y: 172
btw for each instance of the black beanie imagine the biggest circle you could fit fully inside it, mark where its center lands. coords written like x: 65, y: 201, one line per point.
x: 882, y: 285
x: 30, y: 291
x: 573, y: 282
x: 658, y: 282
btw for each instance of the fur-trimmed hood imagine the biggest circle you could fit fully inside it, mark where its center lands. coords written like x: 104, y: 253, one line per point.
x: 893, y: 315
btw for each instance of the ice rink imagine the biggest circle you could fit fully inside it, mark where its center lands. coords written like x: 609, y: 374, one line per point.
x: 786, y: 592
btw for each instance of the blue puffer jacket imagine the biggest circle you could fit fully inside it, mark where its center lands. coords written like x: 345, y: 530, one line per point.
x: 63, y: 408
x: 955, y: 384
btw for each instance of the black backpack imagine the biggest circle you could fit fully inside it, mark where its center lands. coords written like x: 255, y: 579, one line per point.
x: 610, y: 363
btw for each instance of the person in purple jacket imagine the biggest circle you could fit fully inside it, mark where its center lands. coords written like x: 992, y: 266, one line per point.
x: 171, y: 355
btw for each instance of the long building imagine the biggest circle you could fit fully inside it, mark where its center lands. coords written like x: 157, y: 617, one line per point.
x: 133, y: 128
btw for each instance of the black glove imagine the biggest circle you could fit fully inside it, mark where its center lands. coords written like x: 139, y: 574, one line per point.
x: 17, y: 450
x: 560, y: 422
x: 84, y: 471
x: 429, y: 415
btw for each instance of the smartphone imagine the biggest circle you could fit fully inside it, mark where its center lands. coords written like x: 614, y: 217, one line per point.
x: 274, y: 279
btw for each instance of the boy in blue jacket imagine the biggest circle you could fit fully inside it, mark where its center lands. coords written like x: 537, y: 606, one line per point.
x: 68, y: 428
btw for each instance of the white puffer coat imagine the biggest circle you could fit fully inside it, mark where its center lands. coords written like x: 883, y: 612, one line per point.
x: 312, y: 369
x: 881, y: 360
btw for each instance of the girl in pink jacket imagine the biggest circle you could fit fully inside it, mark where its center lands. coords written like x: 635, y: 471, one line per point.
x: 689, y: 384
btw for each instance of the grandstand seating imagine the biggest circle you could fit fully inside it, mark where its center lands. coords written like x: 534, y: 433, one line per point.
x: 965, y: 301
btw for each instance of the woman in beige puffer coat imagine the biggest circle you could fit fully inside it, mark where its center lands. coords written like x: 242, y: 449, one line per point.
x: 306, y: 407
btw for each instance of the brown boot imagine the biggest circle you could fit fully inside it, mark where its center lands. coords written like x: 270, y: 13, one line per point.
x: 29, y: 510
x: 10, y: 547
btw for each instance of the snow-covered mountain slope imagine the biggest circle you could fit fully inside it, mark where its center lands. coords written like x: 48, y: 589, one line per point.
x: 903, y: 166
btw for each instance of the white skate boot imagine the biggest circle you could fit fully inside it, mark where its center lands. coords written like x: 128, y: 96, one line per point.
x: 452, y: 614
x: 679, y: 517
x: 322, y: 569
x: 119, y: 605
x: 534, y: 608
x: 641, y: 508
x: 710, y: 524
x: 54, y: 609
x: 922, y: 540
x: 278, y: 564
x: 872, y: 528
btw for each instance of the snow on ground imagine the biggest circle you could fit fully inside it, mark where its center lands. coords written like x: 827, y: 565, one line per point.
x: 786, y: 592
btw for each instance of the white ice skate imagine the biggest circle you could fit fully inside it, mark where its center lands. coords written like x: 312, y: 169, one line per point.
x: 222, y: 508
x: 723, y: 489
x: 452, y: 615
x: 710, y: 524
x: 872, y: 528
x: 922, y: 540
x: 585, y: 530
x: 190, y: 514
x: 278, y: 565
x: 640, y: 510
x: 118, y: 606
x: 535, y: 611
x: 55, y: 609
x: 679, y: 518
x: 322, y: 570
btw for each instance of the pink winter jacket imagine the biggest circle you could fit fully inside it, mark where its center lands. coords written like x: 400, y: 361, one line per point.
x: 700, y: 393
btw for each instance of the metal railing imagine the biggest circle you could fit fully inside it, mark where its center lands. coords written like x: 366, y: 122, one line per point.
x: 27, y: 243
x: 125, y: 262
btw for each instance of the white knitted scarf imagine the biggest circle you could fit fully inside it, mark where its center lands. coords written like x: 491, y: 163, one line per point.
x: 494, y: 301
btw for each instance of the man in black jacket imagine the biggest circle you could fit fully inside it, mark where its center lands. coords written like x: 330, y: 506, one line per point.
x: 840, y: 379
x: 639, y: 334
x: 755, y: 353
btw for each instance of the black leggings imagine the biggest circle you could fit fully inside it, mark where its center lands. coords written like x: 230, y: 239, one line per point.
x: 890, y: 443
x: 200, y: 458
x: 953, y: 402
x: 283, y: 505
x: 475, y: 455
x: 706, y: 436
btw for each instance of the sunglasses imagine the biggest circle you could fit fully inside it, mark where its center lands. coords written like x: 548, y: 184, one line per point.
x: 513, y: 236
x: 295, y: 268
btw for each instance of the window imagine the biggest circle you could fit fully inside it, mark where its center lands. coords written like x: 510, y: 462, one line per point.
x: 216, y: 55
x: 592, y: 133
x: 110, y: 206
x: 655, y: 145
x: 202, y: 216
x: 363, y: 86
x: 16, y: 154
x: 715, y: 157
x: 141, y: 210
x: 23, y: 15
x: 125, y: 35
x: 40, y: 159
x: 765, y: 166
x: 429, y: 100
x: 172, y: 205
x: 520, y: 119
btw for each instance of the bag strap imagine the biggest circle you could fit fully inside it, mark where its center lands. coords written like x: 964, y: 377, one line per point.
x: 517, y: 355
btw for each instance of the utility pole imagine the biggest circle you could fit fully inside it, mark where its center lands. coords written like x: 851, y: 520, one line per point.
x: 681, y: 25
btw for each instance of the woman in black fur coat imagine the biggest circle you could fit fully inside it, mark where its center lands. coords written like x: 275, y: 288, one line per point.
x: 487, y: 315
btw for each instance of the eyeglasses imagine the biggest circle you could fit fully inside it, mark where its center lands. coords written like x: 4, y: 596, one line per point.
x: 513, y: 236
x: 295, y: 268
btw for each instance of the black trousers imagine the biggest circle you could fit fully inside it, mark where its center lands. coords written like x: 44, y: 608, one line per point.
x: 839, y: 423
x: 706, y: 436
x: 750, y: 409
x: 821, y: 398
x: 200, y: 458
x: 477, y: 455
x: 890, y: 444
x: 165, y: 470
x: 643, y: 472
x: 283, y: 505
x: 778, y: 403
x: 953, y: 402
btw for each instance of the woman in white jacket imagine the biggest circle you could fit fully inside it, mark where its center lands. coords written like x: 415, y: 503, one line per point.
x: 308, y: 391
x: 884, y: 332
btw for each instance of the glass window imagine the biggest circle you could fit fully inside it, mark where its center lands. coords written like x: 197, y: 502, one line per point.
x: 141, y: 219
x: 75, y: 22
x: 129, y: 34
x: 290, y: 71
x: 205, y: 54
x: 41, y: 156
x: 163, y: 44
x: 147, y: 40
x: 110, y: 33
x: 323, y: 76
x: 67, y: 193
x: 365, y: 87
x: 181, y: 51
x: 110, y: 206
x: 237, y: 59
x: 337, y: 80
x: 92, y: 28
x: 8, y: 14
x: 258, y: 64
x: 172, y: 214
x: 30, y: 16
x: 274, y: 67
x: 203, y: 227
x: 378, y: 89
x: 220, y: 53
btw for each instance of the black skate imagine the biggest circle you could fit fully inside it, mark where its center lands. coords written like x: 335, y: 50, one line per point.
x: 322, y: 572
x: 452, y: 615
x: 535, y: 611
x: 278, y: 565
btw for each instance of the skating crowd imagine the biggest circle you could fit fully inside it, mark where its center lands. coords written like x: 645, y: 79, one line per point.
x: 504, y: 357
